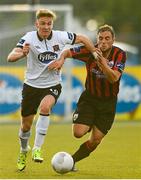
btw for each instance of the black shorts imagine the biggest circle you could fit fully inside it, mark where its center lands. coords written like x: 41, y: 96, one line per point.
x: 95, y: 111
x: 31, y: 97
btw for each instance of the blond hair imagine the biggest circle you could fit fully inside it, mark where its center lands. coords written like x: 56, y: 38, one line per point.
x: 45, y: 13
x: 106, y: 27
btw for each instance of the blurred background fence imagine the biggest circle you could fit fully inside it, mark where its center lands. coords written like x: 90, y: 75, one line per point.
x: 17, y: 19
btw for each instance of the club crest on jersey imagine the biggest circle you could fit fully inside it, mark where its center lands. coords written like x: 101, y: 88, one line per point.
x: 56, y: 47
x: 47, y: 57
x: 111, y: 63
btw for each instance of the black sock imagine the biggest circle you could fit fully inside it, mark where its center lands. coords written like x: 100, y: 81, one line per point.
x: 84, y: 150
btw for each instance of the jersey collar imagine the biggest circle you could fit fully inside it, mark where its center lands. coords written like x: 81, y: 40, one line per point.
x: 41, y: 39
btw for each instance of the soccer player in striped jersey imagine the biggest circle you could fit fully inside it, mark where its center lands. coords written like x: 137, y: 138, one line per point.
x: 42, y: 87
x: 96, y: 107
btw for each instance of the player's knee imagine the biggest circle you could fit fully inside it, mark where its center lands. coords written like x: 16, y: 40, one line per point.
x: 44, y: 109
x: 78, y: 134
x: 26, y: 126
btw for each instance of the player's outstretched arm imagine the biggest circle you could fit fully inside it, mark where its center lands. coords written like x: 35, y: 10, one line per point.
x: 112, y: 75
x: 15, y: 55
x: 87, y: 43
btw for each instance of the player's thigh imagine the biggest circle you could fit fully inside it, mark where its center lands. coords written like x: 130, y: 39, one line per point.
x: 48, y: 101
x: 80, y: 129
x: 50, y: 95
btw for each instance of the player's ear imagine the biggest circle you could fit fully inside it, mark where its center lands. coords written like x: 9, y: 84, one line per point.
x: 52, y: 24
x: 37, y: 24
x: 113, y: 39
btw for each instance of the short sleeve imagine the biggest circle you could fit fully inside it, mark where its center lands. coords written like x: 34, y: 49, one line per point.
x: 81, y: 53
x: 25, y: 39
x: 67, y: 37
x: 120, y: 61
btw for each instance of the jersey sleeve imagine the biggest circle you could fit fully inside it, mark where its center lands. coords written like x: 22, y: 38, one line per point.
x: 67, y: 37
x: 120, y: 61
x: 25, y: 39
x: 81, y: 53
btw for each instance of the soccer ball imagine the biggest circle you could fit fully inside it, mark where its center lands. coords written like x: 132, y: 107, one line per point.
x: 62, y: 162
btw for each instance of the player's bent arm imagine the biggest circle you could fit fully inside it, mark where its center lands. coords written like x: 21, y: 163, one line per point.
x: 66, y: 54
x: 112, y: 75
x: 86, y: 41
x: 57, y: 64
x: 15, y: 54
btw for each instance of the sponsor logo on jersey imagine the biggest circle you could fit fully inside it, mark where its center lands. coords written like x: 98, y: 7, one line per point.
x: 10, y: 93
x: 56, y: 47
x: 47, y: 57
x: 98, y: 73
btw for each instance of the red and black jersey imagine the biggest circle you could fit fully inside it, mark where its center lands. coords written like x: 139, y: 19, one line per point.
x: 96, y: 82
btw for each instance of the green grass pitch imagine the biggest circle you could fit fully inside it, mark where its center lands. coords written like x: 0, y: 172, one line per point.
x: 118, y: 156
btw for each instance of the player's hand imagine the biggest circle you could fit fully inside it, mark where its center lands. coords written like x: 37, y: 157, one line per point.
x: 55, y: 65
x: 101, y: 61
x: 26, y: 48
x: 97, y: 54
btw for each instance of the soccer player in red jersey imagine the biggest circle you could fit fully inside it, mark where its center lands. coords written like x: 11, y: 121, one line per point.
x: 96, y: 107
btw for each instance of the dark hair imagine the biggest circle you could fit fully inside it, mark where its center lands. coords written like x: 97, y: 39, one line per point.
x: 106, y: 27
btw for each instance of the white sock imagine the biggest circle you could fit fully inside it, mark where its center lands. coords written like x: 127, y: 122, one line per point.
x: 41, y: 130
x: 24, y: 137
